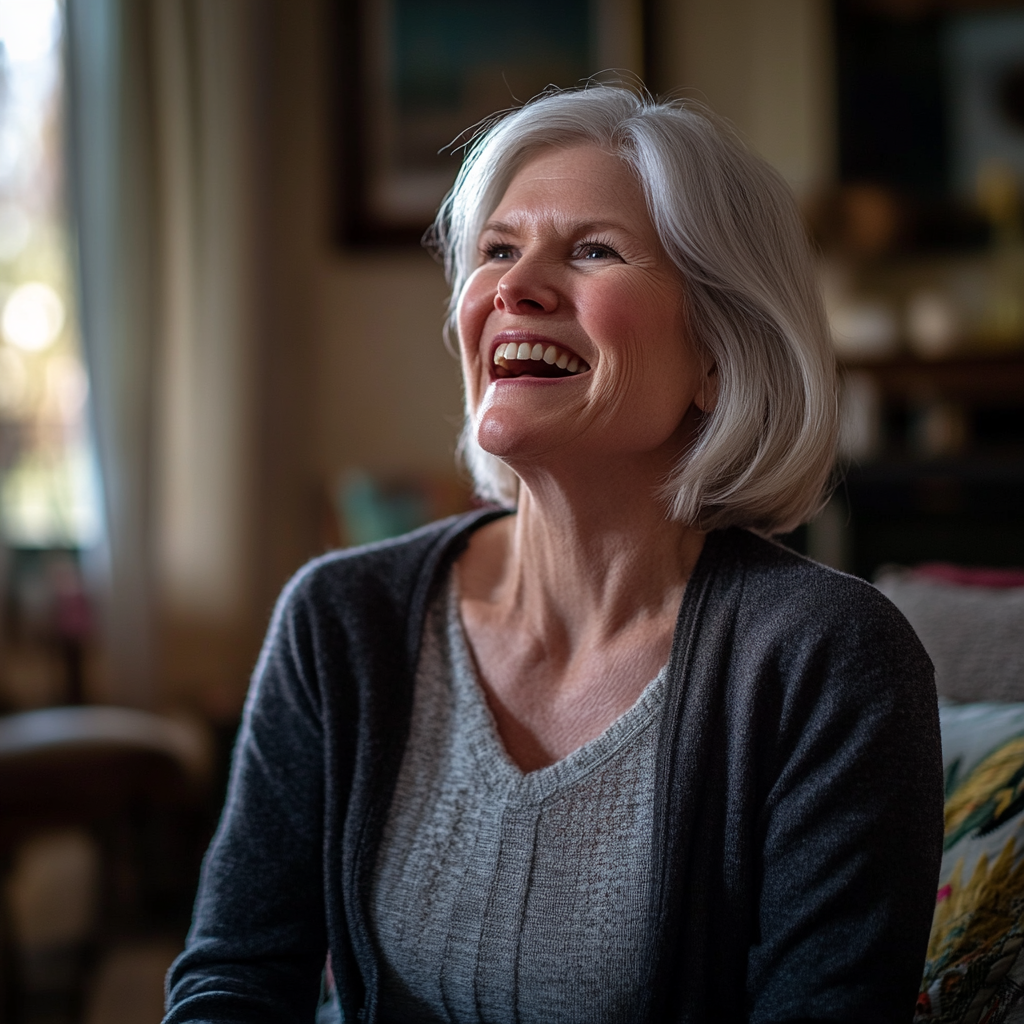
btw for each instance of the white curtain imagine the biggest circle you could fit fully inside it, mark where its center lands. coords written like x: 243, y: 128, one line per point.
x: 161, y: 102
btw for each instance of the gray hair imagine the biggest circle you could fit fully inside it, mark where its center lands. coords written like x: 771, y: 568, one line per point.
x: 762, y: 458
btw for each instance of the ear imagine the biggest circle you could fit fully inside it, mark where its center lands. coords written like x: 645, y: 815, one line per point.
x: 707, y: 395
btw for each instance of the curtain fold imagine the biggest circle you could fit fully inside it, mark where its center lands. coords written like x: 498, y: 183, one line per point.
x: 112, y: 196
x: 160, y: 135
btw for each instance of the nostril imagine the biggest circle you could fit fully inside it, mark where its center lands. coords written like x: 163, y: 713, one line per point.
x: 518, y: 296
x: 513, y: 305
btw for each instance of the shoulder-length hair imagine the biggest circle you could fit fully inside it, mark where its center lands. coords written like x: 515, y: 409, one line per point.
x: 762, y: 458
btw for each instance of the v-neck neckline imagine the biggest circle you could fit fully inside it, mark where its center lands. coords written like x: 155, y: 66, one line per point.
x: 498, y: 769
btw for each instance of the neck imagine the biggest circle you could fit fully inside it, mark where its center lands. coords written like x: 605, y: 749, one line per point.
x: 592, y: 552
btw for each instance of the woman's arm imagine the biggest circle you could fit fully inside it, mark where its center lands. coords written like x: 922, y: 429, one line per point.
x: 852, y: 828
x: 258, y: 939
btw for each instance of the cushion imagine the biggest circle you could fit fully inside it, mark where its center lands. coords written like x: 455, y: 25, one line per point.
x: 973, y: 633
x: 974, y: 971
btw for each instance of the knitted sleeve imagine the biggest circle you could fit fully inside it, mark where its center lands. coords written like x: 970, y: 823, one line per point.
x: 851, y: 821
x: 258, y: 940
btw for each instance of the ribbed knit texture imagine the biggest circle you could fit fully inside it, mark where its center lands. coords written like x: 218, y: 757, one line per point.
x: 503, y: 896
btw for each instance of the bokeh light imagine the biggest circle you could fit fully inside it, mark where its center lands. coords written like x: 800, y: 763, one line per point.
x: 28, y: 28
x: 33, y: 317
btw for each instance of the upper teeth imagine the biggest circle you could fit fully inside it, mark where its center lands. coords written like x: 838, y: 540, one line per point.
x: 548, y: 353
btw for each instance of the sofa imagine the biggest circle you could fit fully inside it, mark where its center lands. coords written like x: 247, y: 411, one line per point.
x: 972, y: 624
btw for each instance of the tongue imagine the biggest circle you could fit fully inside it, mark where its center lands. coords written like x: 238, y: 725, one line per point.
x: 531, y: 368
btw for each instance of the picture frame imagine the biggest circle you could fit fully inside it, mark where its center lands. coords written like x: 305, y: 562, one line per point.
x: 414, y: 76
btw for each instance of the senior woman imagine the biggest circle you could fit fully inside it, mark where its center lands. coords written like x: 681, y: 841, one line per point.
x: 602, y: 753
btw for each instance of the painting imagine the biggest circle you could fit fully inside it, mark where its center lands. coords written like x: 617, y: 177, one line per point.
x: 985, y: 62
x: 414, y: 75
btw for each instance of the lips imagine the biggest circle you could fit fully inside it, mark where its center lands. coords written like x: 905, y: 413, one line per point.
x: 535, y: 358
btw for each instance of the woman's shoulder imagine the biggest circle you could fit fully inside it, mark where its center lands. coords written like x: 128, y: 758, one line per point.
x: 798, y: 612
x: 817, y: 646
x: 783, y: 583
x: 388, y: 571
x: 357, y: 608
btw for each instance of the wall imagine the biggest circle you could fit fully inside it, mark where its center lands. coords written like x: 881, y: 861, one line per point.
x: 388, y: 393
x: 766, y: 66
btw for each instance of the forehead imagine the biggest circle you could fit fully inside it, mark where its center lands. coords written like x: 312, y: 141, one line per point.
x: 582, y: 183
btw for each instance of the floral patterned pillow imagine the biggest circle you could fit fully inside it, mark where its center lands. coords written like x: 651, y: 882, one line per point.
x: 974, y: 973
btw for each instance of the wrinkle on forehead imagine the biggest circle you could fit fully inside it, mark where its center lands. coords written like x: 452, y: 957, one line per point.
x: 536, y: 194
x: 538, y: 167
x: 562, y: 221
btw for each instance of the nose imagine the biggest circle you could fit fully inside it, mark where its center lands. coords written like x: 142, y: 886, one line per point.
x: 526, y: 288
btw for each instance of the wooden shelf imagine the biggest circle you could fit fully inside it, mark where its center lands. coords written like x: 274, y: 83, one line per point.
x: 994, y: 379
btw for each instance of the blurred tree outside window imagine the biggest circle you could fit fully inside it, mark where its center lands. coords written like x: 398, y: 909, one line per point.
x: 48, y: 491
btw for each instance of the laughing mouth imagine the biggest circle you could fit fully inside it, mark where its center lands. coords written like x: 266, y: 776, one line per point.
x: 523, y: 359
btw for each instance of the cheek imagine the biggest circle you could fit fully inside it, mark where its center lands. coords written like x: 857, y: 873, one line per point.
x: 652, y: 372
x: 476, y: 304
x: 643, y: 328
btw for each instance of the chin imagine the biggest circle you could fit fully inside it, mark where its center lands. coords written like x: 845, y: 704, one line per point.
x: 502, y: 441
x: 527, y: 453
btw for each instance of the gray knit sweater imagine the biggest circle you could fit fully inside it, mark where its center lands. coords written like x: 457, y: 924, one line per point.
x: 500, y: 895
x: 798, y: 795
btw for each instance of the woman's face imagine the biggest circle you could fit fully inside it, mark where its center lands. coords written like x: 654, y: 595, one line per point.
x: 572, y: 326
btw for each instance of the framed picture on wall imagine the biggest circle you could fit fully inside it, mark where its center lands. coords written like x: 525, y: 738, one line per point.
x: 414, y: 75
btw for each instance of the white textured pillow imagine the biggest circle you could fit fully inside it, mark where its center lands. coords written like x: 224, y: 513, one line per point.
x: 974, y: 635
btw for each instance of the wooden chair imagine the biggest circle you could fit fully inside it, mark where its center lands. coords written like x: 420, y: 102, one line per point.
x: 114, y: 772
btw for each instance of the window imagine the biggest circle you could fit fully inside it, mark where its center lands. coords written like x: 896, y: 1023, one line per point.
x: 48, y: 494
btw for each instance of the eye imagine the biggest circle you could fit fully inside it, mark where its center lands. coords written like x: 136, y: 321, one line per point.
x: 499, y: 251
x: 596, y: 251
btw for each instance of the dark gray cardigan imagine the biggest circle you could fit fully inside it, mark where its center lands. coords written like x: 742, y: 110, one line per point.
x: 799, y: 794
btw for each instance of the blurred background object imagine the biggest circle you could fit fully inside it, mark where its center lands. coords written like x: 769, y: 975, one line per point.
x: 922, y: 221
x: 102, y: 824
x: 369, y: 508
x: 221, y: 353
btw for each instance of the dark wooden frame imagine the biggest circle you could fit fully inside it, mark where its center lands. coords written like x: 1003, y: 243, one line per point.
x: 355, y: 224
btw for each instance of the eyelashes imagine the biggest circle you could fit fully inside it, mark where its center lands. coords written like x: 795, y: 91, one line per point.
x: 591, y: 249
x: 498, y: 251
